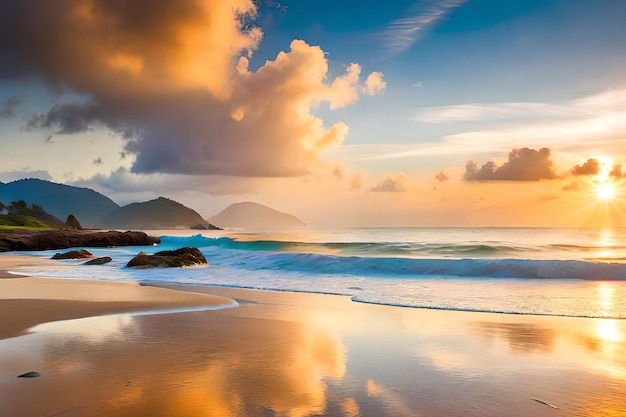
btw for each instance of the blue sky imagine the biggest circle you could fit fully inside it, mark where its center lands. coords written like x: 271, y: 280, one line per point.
x: 231, y: 112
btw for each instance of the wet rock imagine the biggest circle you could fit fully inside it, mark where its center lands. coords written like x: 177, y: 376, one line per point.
x: 24, y: 239
x: 99, y: 261
x: 31, y: 374
x: 73, y: 254
x: 168, y: 259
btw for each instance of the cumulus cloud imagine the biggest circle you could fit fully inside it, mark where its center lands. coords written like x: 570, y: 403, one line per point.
x: 590, y: 167
x: 10, y: 106
x: 524, y: 164
x: 596, y: 166
x: 616, y: 171
x: 173, y: 79
x: 396, y: 183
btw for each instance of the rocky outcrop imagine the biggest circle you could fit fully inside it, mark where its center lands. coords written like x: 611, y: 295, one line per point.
x: 99, y: 261
x: 73, y: 254
x: 169, y: 258
x: 73, y: 223
x: 25, y: 239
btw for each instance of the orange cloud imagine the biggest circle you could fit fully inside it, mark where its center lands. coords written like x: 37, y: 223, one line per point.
x: 173, y: 79
x: 524, y: 164
x: 441, y: 177
x: 396, y: 183
x: 590, y: 167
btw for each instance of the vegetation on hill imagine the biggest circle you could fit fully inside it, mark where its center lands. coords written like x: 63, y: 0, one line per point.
x: 161, y: 213
x: 18, y: 214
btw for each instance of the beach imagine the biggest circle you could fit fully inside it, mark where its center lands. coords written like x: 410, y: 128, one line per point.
x: 118, y: 349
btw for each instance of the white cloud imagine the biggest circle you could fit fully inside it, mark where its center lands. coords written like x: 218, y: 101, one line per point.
x: 402, y: 33
x: 9, y: 176
x: 495, y: 112
x: 592, y: 125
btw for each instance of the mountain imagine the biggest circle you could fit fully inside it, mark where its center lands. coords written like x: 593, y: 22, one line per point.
x: 161, y: 213
x: 254, y: 215
x: 59, y: 200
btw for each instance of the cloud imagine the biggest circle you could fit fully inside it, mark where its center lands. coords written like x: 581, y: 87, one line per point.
x: 8, y: 176
x: 402, y: 33
x: 616, y: 171
x: 494, y: 112
x: 590, y: 167
x: 572, y: 186
x: 10, y: 106
x: 396, y: 183
x: 588, y: 125
x: 97, y: 161
x: 598, y: 166
x: 173, y: 80
x: 524, y: 164
x: 358, y: 180
x: 441, y: 177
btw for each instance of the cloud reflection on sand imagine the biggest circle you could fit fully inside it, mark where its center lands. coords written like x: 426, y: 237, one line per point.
x: 198, y: 367
x: 299, y: 355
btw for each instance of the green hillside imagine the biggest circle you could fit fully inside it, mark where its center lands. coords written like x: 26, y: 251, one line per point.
x: 18, y: 214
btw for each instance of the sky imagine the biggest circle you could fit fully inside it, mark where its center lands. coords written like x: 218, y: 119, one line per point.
x: 343, y: 113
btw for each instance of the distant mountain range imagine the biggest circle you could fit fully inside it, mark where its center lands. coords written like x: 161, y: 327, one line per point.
x: 161, y: 213
x: 254, y: 215
x: 59, y: 200
x: 93, y: 209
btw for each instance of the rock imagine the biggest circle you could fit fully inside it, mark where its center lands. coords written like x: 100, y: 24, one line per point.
x: 73, y: 254
x: 31, y: 374
x: 207, y: 226
x: 73, y: 222
x: 25, y: 239
x: 168, y: 259
x: 99, y: 261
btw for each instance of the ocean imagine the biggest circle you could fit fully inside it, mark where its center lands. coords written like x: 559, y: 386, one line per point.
x: 539, y: 271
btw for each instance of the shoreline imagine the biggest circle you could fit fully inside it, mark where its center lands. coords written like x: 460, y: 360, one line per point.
x: 33, y: 300
x: 292, y: 354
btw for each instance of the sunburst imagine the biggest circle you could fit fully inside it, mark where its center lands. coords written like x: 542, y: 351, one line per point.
x: 605, y: 191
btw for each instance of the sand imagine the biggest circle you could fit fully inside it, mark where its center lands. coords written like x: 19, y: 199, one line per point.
x: 30, y: 301
x: 288, y: 354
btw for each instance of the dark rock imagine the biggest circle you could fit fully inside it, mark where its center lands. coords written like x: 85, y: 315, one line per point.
x: 31, y: 374
x: 73, y: 254
x: 167, y: 259
x: 99, y: 261
x: 207, y: 226
x: 25, y: 239
x: 73, y: 222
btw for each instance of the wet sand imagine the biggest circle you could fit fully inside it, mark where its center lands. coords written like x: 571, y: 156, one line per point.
x: 292, y: 354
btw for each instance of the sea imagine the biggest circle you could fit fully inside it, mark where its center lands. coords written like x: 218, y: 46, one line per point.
x: 538, y: 271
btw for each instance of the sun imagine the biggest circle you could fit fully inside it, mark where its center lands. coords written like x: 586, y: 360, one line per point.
x: 605, y: 192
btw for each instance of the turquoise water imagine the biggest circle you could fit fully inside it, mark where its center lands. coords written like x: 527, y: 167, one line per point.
x: 564, y: 272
